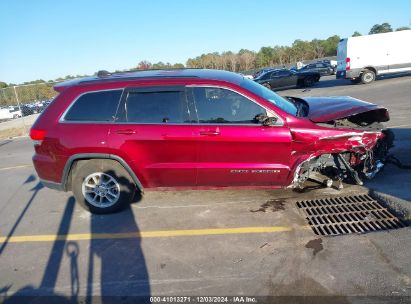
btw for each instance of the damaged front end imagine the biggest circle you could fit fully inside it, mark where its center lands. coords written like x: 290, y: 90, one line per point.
x: 350, y: 148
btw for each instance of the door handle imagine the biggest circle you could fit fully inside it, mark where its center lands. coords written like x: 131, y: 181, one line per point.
x: 210, y: 133
x: 126, y: 132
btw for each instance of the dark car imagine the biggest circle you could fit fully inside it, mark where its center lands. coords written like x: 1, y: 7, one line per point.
x: 283, y: 78
x: 262, y: 71
x: 26, y: 110
x: 323, y: 68
x: 106, y: 137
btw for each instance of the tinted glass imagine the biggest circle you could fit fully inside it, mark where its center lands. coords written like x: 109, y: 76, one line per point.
x: 156, y: 107
x: 267, y: 75
x: 216, y: 105
x: 284, y: 73
x: 95, y: 106
x: 269, y: 95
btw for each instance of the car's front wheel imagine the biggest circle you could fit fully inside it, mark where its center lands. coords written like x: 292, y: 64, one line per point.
x: 102, y: 186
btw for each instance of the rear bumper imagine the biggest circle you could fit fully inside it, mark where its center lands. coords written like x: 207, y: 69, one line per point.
x: 350, y: 74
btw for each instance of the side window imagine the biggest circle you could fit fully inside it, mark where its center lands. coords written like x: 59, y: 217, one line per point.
x: 156, y: 107
x: 266, y: 76
x: 95, y: 106
x: 284, y: 73
x: 222, y: 106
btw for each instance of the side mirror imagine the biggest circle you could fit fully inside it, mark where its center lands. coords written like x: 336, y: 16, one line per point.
x: 266, y: 120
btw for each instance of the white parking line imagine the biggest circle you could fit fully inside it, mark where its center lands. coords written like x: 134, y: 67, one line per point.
x: 15, y: 167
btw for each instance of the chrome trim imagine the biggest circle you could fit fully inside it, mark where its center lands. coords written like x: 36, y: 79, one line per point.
x: 62, y: 120
x: 270, y: 112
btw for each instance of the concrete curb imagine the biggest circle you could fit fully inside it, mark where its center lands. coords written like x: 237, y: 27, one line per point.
x: 401, y: 208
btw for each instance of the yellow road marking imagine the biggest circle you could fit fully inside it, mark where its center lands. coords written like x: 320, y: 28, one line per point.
x: 144, y: 234
x: 15, y: 167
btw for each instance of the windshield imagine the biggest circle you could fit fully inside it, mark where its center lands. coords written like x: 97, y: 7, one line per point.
x: 269, y: 95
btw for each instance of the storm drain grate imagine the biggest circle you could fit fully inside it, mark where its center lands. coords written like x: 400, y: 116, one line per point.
x: 349, y: 214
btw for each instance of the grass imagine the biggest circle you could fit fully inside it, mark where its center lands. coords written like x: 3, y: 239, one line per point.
x: 12, y: 132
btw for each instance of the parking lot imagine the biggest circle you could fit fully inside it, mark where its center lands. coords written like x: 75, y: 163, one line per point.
x: 206, y: 243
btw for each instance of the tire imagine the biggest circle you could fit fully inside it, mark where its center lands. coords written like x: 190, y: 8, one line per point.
x: 309, y: 82
x: 102, y: 186
x: 367, y: 76
x: 267, y: 85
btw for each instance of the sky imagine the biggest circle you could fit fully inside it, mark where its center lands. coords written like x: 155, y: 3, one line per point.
x: 46, y: 39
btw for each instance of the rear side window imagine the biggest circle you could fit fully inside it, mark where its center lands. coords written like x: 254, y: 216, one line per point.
x: 95, y: 106
x: 156, y: 107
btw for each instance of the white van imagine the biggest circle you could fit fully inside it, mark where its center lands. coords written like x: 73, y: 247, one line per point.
x: 362, y: 58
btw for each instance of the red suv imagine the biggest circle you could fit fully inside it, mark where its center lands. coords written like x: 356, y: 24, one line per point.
x: 107, y: 136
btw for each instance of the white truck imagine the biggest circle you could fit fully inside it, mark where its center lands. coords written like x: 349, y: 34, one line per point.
x: 362, y: 58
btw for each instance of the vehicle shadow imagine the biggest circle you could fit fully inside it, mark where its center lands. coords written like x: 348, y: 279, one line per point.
x: 45, y: 292
x: 115, y: 266
x: 393, y: 180
x: 123, y: 268
x: 331, y: 81
x: 35, y: 191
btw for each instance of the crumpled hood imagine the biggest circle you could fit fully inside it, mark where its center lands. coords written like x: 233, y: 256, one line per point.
x: 324, y: 109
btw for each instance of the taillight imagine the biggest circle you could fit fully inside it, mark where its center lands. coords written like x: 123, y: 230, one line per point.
x: 37, y: 136
x: 347, y: 63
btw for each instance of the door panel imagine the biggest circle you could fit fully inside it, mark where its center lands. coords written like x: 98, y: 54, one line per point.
x: 164, y: 155
x: 154, y: 133
x: 243, y: 155
x: 276, y: 81
x: 234, y: 149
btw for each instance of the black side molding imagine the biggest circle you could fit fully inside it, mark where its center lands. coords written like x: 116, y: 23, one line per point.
x: 98, y: 156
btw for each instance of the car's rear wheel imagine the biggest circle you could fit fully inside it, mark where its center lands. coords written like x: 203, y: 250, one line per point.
x: 367, y: 76
x: 102, y: 186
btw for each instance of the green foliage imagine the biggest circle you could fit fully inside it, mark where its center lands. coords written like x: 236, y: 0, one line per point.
x: 380, y: 28
x: 27, y: 93
x: 403, y: 28
x: 245, y: 59
x: 3, y: 85
x: 356, y: 34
